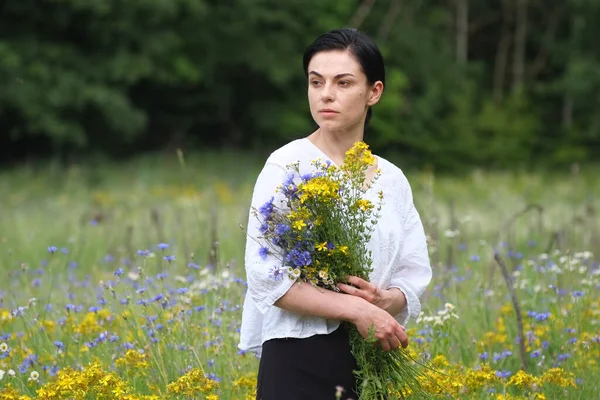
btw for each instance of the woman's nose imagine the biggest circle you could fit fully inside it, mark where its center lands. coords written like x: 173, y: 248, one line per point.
x: 327, y: 92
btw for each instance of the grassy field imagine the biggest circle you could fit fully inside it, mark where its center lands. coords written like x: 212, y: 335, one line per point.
x: 126, y: 281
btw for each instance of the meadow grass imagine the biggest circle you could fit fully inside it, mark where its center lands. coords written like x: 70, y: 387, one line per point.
x: 127, y: 281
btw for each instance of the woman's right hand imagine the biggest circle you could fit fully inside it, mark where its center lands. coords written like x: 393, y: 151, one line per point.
x: 388, y: 331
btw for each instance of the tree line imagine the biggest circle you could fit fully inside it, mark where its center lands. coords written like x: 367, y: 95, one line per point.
x: 493, y: 83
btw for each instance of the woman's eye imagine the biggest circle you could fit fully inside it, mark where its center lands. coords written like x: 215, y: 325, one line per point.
x: 344, y: 83
x: 315, y: 82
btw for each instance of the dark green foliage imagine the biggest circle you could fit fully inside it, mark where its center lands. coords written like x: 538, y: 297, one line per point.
x: 113, y: 77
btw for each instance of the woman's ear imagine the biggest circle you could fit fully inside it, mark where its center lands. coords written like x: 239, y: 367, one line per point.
x: 375, y: 93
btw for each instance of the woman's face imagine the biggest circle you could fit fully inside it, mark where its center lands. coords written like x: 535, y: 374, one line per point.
x: 338, y: 92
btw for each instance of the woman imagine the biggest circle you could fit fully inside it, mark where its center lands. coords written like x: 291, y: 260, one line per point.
x: 295, y: 329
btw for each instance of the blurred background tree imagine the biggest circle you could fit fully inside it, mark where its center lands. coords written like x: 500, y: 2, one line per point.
x: 490, y: 83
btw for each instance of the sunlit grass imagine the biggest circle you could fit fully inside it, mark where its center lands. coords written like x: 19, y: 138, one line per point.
x: 138, y: 267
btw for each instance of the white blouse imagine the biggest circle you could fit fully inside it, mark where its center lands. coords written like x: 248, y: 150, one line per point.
x: 398, y: 246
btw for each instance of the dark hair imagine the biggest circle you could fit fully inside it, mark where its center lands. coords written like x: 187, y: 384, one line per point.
x: 361, y: 46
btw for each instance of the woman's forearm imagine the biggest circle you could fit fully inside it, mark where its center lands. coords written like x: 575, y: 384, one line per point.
x: 305, y: 299
x: 394, y: 301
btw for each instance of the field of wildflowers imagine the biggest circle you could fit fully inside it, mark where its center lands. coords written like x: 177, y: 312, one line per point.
x: 126, y: 282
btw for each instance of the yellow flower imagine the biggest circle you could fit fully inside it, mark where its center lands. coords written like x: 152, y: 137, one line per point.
x: 343, y: 249
x: 522, y: 380
x: 364, y: 205
x: 559, y: 377
x: 321, y: 246
x: 298, y: 225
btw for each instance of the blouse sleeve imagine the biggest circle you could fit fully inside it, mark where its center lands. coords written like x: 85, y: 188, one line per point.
x: 412, y: 272
x: 263, y: 287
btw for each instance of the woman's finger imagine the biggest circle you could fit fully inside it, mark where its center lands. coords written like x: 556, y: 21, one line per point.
x: 385, y: 344
x: 361, y: 283
x: 402, y: 337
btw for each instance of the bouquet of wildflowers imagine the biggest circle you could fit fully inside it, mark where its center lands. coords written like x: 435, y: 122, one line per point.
x: 320, y: 234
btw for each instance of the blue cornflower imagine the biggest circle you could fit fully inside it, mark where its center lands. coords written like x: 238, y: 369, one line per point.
x: 169, y: 258
x: 193, y: 265
x: 52, y: 249
x: 535, y: 354
x: 276, y: 273
x: 143, y: 253
x: 281, y: 229
x: 542, y: 317
x: 54, y: 370
x: 267, y: 209
x: 118, y: 272
x: 475, y: 257
x: 163, y: 246
x: 503, y: 374
x: 263, y: 252
x: 298, y: 258
x: 577, y: 293
x: 562, y: 357
x: 289, y: 188
x: 483, y: 356
x: 307, y: 177
x: 157, y: 297
x: 182, y: 290
x: 573, y: 340
x: 264, y: 228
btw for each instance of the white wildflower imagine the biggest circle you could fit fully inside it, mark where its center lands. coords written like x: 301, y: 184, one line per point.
x: 33, y: 376
x: 452, y: 233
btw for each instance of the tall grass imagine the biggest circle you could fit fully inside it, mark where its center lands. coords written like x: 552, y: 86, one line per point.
x: 84, y: 279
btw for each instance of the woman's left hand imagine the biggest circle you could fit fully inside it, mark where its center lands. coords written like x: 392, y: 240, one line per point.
x: 368, y: 291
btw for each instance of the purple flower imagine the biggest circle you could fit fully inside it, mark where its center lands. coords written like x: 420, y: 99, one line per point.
x: 562, y: 357
x: 535, y: 354
x: 163, y: 246
x: 503, y: 374
x: 263, y: 252
x: 298, y: 258
x: 281, y: 229
x: 52, y: 249
x: 264, y: 228
x: 157, y: 297
x: 143, y: 253
x: 267, y: 209
x: 118, y: 272
x: 276, y: 273
x: 483, y: 356
x: 307, y: 177
x: 169, y: 258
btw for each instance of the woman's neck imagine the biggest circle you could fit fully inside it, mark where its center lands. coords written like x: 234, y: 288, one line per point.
x: 335, y: 144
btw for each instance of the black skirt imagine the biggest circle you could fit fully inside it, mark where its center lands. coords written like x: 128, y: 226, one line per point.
x: 311, y: 368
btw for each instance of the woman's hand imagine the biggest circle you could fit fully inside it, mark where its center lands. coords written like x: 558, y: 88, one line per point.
x: 387, y: 330
x: 393, y: 301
